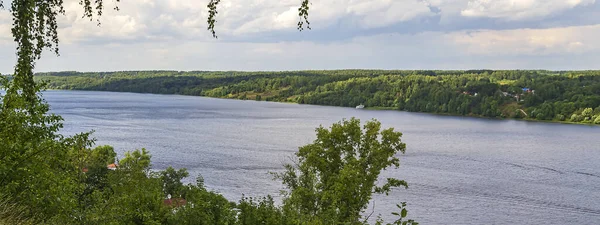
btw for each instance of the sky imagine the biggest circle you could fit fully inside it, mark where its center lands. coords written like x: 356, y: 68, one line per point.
x: 346, y: 34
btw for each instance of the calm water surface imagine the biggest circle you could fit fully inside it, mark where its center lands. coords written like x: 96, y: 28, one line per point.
x: 460, y: 170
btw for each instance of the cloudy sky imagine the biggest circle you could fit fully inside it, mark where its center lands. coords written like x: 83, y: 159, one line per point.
x: 382, y: 34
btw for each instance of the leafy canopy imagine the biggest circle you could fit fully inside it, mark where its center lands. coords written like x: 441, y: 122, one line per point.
x: 337, y: 174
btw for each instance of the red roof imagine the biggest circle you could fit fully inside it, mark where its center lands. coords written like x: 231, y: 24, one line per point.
x: 175, y: 202
x: 110, y: 167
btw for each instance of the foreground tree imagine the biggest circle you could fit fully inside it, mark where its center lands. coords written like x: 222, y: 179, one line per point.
x: 336, y: 175
x: 35, y: 167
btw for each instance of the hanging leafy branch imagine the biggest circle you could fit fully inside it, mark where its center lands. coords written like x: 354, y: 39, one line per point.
x: 303, y: 14
x: 212, y: 14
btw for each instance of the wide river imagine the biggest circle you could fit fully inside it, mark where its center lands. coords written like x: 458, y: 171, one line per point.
x: 460, y: 170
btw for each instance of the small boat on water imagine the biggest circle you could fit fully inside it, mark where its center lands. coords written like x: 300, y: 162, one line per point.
x: 360, y: 106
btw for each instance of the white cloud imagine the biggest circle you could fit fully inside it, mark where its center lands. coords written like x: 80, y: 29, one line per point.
x: 261, y: 35
x: 144, y: 19
x: 519, y: 9
x: 553, y: 48
x: 323, y: 13
x: 530, y: 42
x: 147, y: 20
x: 127, y: 24
x: 380, y: 13
x: 5, y: 25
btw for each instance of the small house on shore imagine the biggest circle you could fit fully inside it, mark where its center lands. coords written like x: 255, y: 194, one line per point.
x: 175, y: 202
x: 109, y: 166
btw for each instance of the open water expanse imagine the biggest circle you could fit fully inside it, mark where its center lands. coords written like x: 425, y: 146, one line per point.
x: 460, y: 170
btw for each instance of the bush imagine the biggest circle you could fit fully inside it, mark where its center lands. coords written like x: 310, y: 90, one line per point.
x: 576, y: 118
x: 587, y: 112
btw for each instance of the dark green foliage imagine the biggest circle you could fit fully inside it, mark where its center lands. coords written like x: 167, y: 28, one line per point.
x: 172, y: 185
x: 259, y: 211
x: 495, y: 94
x: 203, y: 207
x: 336, y: 176
x: 103, y: 155
x: 134, y: 196
x: 35, y: 170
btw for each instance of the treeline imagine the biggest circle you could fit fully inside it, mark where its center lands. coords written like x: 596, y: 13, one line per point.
x: 570, y: 96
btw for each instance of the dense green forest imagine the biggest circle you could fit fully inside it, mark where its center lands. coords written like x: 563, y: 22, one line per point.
x: 568, y: 96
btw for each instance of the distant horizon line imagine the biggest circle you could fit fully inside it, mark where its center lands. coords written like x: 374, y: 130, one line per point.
x: 165, y: 70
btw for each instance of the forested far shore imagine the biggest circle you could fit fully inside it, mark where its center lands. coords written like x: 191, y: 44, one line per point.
x: 566, y: 96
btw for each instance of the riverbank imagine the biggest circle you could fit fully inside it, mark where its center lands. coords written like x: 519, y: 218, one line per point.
x: 376, y: 108
x: 483, y: 117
